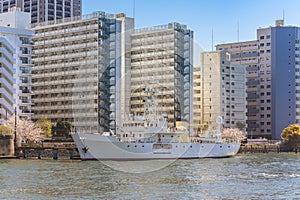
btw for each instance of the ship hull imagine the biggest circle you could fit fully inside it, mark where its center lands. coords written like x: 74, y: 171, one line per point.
x: 98, y: 147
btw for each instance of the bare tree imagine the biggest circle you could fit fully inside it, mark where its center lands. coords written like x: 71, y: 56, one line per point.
x: 27, y: 130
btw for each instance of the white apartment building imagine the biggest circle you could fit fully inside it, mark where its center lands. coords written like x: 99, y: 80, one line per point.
x: 247, y: 54
x: 77, y: 67
x: 7, y: 61
x: 161, y: 60
x: 14, y: 27
x: 223, y: 90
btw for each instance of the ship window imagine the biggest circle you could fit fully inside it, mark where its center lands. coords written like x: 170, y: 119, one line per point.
x: 143, y: 146
x: 176, y: 146
x: 128, y: 146
x: 135, y: 146
x: 191, y: 146
x: 220, y: 146
x: 163, y: 135
x: 171, y: 136
x: 228, y: 146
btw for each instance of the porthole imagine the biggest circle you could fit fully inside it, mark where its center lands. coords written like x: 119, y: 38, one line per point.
x: 143, y: 146
x: 228, y: 146
x: 135, y: 146
x: 220, y: 146
x: 191, y: 146
x: 127, y: 145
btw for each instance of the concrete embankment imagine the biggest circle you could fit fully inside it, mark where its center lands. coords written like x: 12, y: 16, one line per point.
x: 61, y: 153
x: 260, y: 148
x: 6, y: 146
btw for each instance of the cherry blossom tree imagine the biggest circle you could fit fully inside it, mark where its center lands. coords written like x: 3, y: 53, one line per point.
x: 233, y: 134
x: 27, y: 130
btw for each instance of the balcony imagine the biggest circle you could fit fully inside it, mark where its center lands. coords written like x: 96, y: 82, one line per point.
x: 7, y: 54
x: 253, y: 82
x: 253, y: 68
x: 8, y: 85
x: 252, y: 96
x: 5, y: 104
x: 7, y: 95
x: 252, y: 111
x: 252, y: 126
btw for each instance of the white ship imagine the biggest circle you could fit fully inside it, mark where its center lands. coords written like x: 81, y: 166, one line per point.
x: 148, y: 137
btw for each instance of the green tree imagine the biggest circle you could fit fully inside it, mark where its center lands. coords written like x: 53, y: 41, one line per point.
x: 46, y: 126
x: 62, y: 128
x: 291, y: 136
x: 4, y: 130
x: 240, y: 126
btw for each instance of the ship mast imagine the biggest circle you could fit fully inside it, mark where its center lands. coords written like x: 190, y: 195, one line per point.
x: 150, y: 105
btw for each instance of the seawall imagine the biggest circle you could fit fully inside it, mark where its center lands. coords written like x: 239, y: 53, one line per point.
x: 6, y: 145
x: 260, y: 148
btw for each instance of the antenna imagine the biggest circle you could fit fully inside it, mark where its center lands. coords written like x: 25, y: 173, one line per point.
x: 238, y: 32
x: 212, y: 39
x: 133, y: 9
x: 283, y: 15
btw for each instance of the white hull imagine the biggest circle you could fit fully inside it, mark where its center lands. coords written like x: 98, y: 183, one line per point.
x: 98, y: 147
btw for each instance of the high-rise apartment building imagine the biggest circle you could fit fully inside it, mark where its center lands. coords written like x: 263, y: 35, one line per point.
x: 274, y: 78
x: 77, y: 67
x: 223, y: 90
x: 14, y: 27
x: 45, y: 10
x: 93, y: 71
x: 280, y: 80
x: 247, y: 54
x: 161, y: 60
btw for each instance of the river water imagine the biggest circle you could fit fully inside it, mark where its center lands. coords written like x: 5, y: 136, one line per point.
x: 245, y: 176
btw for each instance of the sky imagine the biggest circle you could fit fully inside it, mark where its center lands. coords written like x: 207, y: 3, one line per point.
x: 222, y: 17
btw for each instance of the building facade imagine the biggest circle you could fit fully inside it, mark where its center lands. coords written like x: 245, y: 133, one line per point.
x: 272, y: 79
x: 161, y: 60
x: 197, y: 100
x: 45, y: 10
x: 14, y: 27
x: 6, y: 81
x: 247, y: 54
x: 223, y: 91
x: 77, y: 64
x: 285, y: 77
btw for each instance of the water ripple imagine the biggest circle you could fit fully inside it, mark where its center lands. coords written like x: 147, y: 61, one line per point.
x: 249, y: 176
